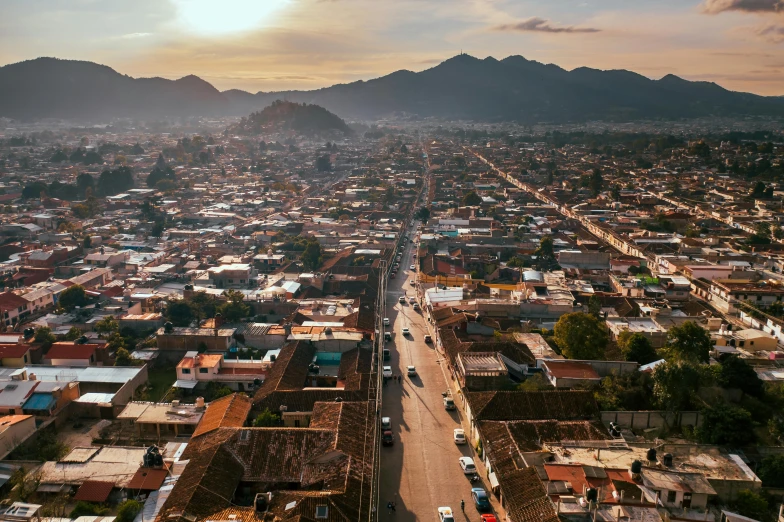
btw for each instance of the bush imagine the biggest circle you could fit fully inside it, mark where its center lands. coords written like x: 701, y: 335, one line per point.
x: 726, y: 424
x: 771, y: 471
x: 86, y: 509
x: 128, y: 510
x: 752, y: 505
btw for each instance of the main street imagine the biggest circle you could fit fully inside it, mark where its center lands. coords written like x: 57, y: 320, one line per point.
x: 420, y: 472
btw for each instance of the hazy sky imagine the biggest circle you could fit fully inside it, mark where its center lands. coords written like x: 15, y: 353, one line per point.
x: 304, y: 44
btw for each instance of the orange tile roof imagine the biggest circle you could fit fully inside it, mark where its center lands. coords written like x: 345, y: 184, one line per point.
x: 149, y: 479
x: 227, y: 412
x: 94, y: 491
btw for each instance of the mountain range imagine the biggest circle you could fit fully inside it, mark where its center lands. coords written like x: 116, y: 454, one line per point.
x: 462, y: 87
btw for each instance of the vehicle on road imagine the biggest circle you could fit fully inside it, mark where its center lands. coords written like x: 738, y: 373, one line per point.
x: 428, y: 339
x: 386, y: 321
x: 416, y: 306
x: 412, y: 267
x: 405, y: 331
x: 387, y: 336
x: 411, y: 371
x: 479, y: 495
x: 386, y: 423
x: 412, y: 299
x: 392, y: 275
x: 445, y: 514
x: 459, y: 436
x: 412, y: 283
x: 387, y: 372
x: 467, y: 463
x: 401, y: 299
x: 387, y: 354
x: 488, y: 517
x: 387, y: 438
x: 449, y: 404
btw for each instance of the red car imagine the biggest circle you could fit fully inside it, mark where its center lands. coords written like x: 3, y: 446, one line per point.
x: 487, y: 517
x: 387, y: 438
x: 392, y: 275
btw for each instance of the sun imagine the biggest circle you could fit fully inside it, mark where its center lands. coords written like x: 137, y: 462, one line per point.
x: 227, y: 16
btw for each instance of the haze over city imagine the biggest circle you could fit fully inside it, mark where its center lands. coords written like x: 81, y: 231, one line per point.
x: 274, y: 45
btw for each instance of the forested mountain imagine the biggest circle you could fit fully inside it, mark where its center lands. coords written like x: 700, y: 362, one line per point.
x: 283, y: 116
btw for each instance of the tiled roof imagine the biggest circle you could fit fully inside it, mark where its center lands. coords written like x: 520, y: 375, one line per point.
x: 571, y: 370
x: 304, y: 400
x: 13, y: 351
x: 526, y: 498
x: 148, y: 479
x: 453, y: 346
x: 94, y: 491
x: 70, y: 350
x: 361, y: 320
x: 227, y: 412
x: 290, y: 369
x: 355, y: 368
x: 524, y: 405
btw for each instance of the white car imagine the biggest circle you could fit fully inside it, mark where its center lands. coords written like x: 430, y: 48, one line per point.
x: 445, y: 514
x: 386, y: 321
x: 401, y: 299
x: 467, y: 463
x: 405, y: 331
x: 459, y: 436
x: 387, y: 372
x: 412, y: 300
x: 412, y: 267
x: 412, y: 283
x: 411, y: 370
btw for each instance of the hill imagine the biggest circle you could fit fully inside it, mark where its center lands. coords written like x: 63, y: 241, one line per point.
x: 282, y: 116
x: 462, y: 87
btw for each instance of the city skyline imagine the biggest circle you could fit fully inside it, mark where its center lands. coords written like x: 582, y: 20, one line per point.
x: 308, y: 44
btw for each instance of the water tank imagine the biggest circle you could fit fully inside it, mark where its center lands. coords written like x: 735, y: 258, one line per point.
x: 200, y: 402
x: 31, y: 377
x: 158, y: 458
x: 261, y: 503
x: 146, y: 460
x: 651, y: 455
x: 176, y: 403
x: 667, y: 459
x: 591, y: 494
x: 168, y: 327
x: 636, y: 467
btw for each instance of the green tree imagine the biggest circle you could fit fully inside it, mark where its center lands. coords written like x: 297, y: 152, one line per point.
x: 471, y: 199
x: 423, y: 214
x: 536, y: 382
x: 87, y: 242
x: 581, y: 336
x: 674, y: 383
x: 545, y: 255
x: 311, y: 256
x: 112, y: 182
x: 688, y: 342
x: 44, y: 336
x: 752, y: 505
x: 204, y: 304
x: 771, y: 471
x: 84, y: 182
x: 128, y: 510
x: 323, y: 163
x: 234, y: 309
x: 595, y: 306
x: 180, y: 313
x: 122, y: 357
x: 266, y: 419
x: 597, y: 182
x: 157, y: 229
x: 636, y: 347
x: 734, y: 372
x: 762, y: 234
x: 73, y: 334
x: 107, y: 325
x: 86, y: 509
x: 725, y: 424
x: 759, y: 190
x: 159, y: 174
x: 72, y: 297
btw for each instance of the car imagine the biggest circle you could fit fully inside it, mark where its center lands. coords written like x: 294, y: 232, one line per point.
x: 387, y: 354
x: 416, y: 306
x: 387, y: 372
x: 488, y: 517
x: 392, y: 275
x: 386, y: 423
x: 387, y: 438
x: 449, y: 404
x: 467, y: 463
x: 412, y: 267
x: 479, y: 495
x: 386, y: 321
x: 401, y: 299
x: 459, y: 436
x: 412, y: 300
x: 387, y: 336
x: 405, y: 331
x: 445, y: 514
x: 428, y: 339
x: 412, y: 283
x: 411, y: 370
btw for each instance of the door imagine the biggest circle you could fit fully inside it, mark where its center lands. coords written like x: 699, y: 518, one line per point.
x: 686, y: 500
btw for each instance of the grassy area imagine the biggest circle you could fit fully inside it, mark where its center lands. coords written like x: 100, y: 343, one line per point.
x: 159, y: 380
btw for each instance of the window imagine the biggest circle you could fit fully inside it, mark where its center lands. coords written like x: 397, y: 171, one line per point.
x: 186, y: 371
x: 670, y: 497
x: 203, y: 370
x: 321, y: 511
x: 244, y: 434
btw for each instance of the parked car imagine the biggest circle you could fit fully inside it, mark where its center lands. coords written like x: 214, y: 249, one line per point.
x: 392, y: 275
x: 405, y: 331
x: 387, y: 372
x: 459, y: 436
x: 479, y: 495
x: 416, y: 306
x: 445, y: 514
x: 387, y: 354
x: 412, y: 283
x: 428, y: 339
x: 386, y: 423
x: 386, y: 321
x: 449, y: 404
x: 412, y: 299
x: 387, y: 336
x: 401, y: 299
x: 387, y: 438
x: 412, y: 267
x: 488, y: 517
x: 411, y: 371
x: 467, y: 463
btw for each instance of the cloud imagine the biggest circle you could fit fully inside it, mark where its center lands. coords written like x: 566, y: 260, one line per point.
x: 747, y: 6
x: 132, y: 36
x: 540, y: 25
x: 773, y: 33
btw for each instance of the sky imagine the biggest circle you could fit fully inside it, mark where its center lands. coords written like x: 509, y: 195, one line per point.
x: 271, y: 45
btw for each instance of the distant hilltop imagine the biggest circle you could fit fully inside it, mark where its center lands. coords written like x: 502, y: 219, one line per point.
x: 462, y: 87
x: 283, y: 116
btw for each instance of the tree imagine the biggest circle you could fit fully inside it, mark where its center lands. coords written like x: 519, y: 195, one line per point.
x: 157, y: 229
x: 581, y: 336
x: 203, y: 304
x: 595, y: 306
x: 597, y: 182
x: 536, y: 382
x: 323, y: 163
x: 112, y: 182
x: 674, y: 383
x: 44, y: 336
x: 545, y: 255
x: 761, y: 235
x: 423, y: 214
x: 725, y: 424
x: 688, y: 342
x: 752, y: 505
x: 160, y: 174
x: 122, y: 357
x: 771, y: 471
x: 311, y: 256
x: 128, y: 510
x: 615, y: 192
x: 87, y: 242
x: 636, y: 347
x: 107, y: 325
x: 471, y: 199
x: 759, y: 190
x: 235, y: 309
x: 266, y: 419
x: 73, y: 334
x: 180, y: 313
x: 734, y: 372
x: 86, y: 509
x: 72, y: 297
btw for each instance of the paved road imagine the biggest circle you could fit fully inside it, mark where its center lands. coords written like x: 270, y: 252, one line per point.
x: 421, y: 471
